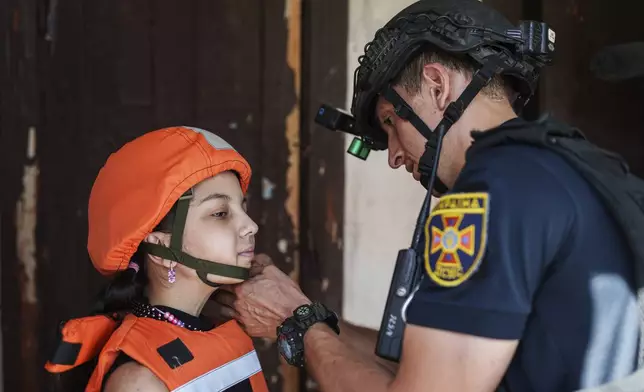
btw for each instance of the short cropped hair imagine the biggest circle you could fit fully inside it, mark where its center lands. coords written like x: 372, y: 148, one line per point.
x: 412, y: 75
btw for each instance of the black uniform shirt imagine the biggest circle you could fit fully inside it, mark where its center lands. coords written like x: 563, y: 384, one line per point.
x: 522, y: 248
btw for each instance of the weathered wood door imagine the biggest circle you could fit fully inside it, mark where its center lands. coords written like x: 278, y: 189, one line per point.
x: 80, y: 78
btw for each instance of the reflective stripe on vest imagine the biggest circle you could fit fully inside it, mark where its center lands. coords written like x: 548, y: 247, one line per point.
x: 225, y: 376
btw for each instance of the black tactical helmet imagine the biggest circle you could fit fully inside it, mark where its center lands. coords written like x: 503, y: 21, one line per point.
x: 466, y: 29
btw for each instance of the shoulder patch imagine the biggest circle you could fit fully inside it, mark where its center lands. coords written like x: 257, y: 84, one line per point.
x: 455, y: 237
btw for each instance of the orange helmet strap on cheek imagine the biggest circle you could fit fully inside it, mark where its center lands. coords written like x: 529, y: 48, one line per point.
x: 175, y: 253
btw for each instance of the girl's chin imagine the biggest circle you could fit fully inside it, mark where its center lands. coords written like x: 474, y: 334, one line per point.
x: 222, y: 279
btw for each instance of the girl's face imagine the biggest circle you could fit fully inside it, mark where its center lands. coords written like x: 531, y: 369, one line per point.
x: 217, y: 226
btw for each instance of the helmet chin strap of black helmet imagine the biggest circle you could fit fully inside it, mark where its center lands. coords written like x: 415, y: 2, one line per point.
x: 452, y: 114
x: 174, y: 251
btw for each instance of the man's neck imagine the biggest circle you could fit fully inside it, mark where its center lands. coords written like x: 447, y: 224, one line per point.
x: 481, y: 115
x: 486, y: 115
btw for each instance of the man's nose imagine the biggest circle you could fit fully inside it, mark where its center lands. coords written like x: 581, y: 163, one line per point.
x: 396, y: 154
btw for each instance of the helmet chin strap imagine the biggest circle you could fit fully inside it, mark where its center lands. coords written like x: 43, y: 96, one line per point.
x: 174, y: 252
x: 452, y: 114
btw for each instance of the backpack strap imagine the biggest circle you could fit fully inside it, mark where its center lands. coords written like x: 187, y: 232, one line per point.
x: 623, y: 195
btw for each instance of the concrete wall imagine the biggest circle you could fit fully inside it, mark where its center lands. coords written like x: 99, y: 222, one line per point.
x: 381, y: 204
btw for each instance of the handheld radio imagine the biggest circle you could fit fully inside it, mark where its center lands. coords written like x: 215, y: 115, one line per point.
x: 409, y: 264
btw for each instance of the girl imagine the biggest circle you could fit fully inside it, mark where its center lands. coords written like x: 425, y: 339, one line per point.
x: 168, y: 222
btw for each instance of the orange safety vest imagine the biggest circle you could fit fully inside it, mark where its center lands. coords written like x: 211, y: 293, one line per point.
x: 183, y: 360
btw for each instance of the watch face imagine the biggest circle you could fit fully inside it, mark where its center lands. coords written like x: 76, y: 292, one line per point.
x: 285, y: 347
x: 303, y: 311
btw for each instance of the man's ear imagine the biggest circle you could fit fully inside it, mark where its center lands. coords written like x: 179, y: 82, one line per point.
x: 159, y: 239
x: 436, y: 78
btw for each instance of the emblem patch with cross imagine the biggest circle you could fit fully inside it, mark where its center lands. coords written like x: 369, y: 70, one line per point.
x: 458, y: 228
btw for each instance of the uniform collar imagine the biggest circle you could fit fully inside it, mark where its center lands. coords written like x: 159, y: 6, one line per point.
x: 513, y: 123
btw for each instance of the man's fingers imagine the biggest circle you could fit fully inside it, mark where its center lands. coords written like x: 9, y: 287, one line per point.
x: 225, y: 298
x: 227, y: 287
x: 259, y: 263
x: 262, y: 259
x: 255, y: 269
x: 228, y: 313
x: 218, y: 311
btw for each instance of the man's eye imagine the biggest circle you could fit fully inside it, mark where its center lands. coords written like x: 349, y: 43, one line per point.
x: 388, y: 121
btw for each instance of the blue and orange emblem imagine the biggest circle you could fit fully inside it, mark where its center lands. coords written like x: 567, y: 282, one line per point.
x: 455, y: 248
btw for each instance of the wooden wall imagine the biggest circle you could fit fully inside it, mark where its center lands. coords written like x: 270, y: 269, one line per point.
x: 609, y: 114
x: 79, y: 78
x: 87, y: 76
x: 324, y: 79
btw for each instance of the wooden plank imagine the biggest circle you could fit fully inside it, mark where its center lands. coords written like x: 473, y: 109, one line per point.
x: 27, y: 203
x: 610, y: 114
x: 14, y: 117
x: 20, y: 113
x: 98, y: 95
x: 324, y: 80
x: 134, y: 61
x: 108, y: 76
x: 227, y: 76
x: 280, y: 160
x: 174, y: 33
x: 231, y: 71
x: 62, y: 252
x: 115, y: 105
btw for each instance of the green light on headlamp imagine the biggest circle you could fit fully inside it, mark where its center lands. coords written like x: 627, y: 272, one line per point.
x: 359, y: 149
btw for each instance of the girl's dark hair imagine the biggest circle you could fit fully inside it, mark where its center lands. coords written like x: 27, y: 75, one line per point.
x: 116, y: 298
x: 128, y: 285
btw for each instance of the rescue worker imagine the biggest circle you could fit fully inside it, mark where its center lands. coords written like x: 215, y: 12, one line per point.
x: 529, y: 280
x: 168, y: 224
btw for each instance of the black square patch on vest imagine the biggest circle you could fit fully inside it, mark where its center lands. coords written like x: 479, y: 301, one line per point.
x: 175, y: 353
x: 66, y: 353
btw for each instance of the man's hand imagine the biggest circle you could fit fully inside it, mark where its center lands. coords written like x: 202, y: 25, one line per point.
x: 264, y: 301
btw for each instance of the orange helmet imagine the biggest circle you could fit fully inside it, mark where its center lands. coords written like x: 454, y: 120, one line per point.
x: 139, y: 184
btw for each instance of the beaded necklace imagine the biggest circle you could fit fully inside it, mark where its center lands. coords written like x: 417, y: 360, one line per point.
x: 145, y: 310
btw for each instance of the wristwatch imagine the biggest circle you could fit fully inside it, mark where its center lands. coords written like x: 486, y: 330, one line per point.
x: 290, y: 334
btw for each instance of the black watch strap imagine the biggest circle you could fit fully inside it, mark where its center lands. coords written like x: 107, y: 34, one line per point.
x: 290, y: 334
x: 306, y: 316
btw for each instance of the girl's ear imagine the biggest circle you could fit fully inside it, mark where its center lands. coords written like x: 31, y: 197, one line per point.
x: 159, y: 239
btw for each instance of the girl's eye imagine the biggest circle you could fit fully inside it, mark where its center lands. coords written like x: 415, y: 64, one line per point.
x: 388, y: 121
x: 220, y: 214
